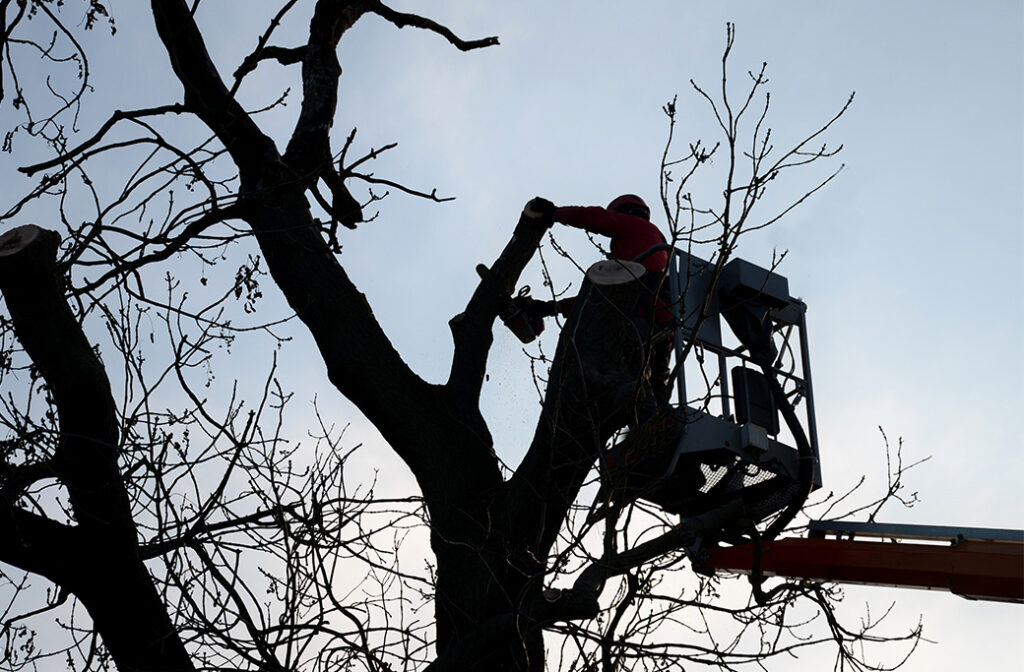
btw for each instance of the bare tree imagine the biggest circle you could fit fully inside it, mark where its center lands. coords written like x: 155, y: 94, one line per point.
x: 177, y: 513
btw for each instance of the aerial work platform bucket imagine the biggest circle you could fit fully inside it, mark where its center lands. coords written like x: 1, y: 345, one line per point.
x: 724, y: 439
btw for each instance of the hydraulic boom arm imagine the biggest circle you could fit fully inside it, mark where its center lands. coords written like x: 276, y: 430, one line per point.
x: 976, y: 563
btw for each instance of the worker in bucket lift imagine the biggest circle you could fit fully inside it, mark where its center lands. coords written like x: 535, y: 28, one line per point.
x: 627, y: 223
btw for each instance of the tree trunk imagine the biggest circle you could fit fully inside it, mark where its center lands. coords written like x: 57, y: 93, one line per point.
x: 594, y: 382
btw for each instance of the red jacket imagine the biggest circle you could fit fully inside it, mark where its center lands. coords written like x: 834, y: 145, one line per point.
x: 630, y: 236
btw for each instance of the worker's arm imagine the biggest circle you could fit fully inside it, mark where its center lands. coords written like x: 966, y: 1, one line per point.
x: 560, y: 306
x: 594, y: 219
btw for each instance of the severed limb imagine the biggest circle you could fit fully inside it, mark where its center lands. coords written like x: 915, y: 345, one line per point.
x: 471, y: 329
x: 108, y: 575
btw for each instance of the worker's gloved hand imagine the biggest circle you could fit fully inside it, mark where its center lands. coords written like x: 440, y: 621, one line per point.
x: 540, y: 209
x: 522, y: 303
x: 535, y: 308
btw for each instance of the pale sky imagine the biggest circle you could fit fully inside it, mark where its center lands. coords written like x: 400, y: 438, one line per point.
x: 910, y: 262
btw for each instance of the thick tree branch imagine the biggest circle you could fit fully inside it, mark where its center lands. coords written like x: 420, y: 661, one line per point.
x: 471, y: 329
x: 86, y: 456
x: 205, y: 92
x: 360, y: 359
x: 37, y: 544
x: 308, y: 151
x: 15, y: 479
x: 108, y: 575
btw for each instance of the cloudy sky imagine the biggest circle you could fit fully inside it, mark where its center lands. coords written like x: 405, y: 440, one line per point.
x: 910, y: 262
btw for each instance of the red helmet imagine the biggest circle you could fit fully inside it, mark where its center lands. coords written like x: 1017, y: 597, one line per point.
x: 630, y: 204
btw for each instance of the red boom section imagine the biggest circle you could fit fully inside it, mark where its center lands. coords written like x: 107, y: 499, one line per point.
x: 975, y: 569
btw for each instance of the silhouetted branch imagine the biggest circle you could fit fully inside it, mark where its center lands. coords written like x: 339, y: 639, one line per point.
x: 402, y: 20
x: 431, y: 196
x: 171, y: 246
x: 591, y: 581
x: 283, y: 55
x: 263, y: 52
x: 176, y: 108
